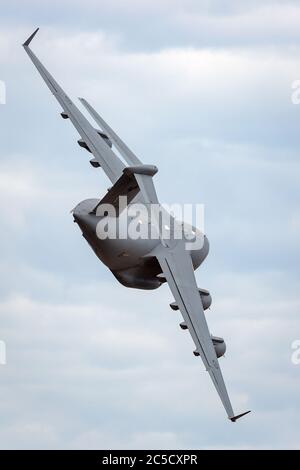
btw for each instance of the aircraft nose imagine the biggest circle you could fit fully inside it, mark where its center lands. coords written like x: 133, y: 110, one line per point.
x: 78, y: 217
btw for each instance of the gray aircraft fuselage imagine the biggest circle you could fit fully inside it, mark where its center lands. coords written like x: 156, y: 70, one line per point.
x: 128, y: 258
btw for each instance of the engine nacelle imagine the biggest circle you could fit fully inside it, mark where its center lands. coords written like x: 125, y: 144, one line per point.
x: 219, y: 345
x: 204, y: 295
x: 84, y: 145
x: 205, y: 298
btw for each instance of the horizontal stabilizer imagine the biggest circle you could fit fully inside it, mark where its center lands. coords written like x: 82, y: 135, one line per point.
x: 126, y: 185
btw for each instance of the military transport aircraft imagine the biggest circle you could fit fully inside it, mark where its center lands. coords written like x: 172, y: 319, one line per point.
x: 141, y: 263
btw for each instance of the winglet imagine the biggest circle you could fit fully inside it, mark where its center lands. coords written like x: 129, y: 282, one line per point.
x: 28, y: 41
x: 234, y: 418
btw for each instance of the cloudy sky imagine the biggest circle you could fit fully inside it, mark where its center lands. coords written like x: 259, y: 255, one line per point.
x: 204, y: 92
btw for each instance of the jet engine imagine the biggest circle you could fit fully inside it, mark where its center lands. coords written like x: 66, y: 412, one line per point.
x: 204, y: 295
x: 205, y: 298
x: 219, y: 345
x: 106, y: 139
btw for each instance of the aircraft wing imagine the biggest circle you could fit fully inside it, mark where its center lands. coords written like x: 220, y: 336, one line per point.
x: 178, y: 270
x: 108, y: 160
x: 126, y: 153
x: 148, y: 193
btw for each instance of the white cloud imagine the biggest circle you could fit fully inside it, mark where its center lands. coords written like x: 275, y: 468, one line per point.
x: 126, y: 360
